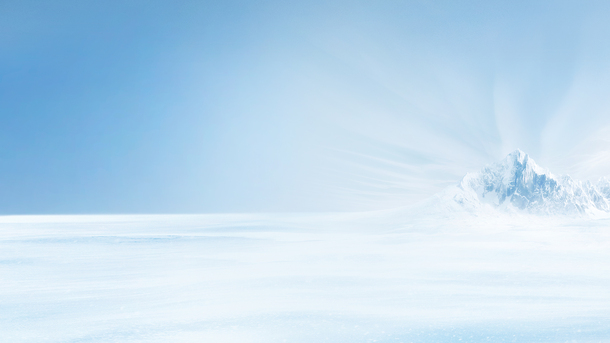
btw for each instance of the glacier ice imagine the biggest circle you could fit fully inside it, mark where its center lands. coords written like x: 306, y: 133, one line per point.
x: 518, y: 183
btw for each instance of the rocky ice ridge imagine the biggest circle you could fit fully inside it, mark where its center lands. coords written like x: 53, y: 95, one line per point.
x: 517, y: 183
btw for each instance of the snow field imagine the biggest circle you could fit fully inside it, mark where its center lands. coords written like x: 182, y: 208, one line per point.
x: 302, y: 278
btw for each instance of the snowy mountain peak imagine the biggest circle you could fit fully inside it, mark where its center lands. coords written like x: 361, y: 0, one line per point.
x: 517, y: 156
x: 518, y: 183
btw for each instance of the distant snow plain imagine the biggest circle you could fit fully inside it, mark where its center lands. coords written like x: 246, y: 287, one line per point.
x: 386, y: 276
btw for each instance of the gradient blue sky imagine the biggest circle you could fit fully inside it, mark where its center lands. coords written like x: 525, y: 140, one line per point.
x: 232, y: 106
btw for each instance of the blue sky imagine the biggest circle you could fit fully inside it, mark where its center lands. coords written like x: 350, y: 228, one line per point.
x: 231, y: 106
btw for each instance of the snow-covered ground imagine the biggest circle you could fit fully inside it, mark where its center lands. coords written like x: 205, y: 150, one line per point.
x: 370, y: 277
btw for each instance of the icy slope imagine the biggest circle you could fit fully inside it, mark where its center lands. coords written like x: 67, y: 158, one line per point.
x: 517, y: 183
